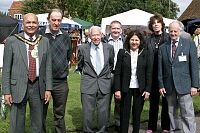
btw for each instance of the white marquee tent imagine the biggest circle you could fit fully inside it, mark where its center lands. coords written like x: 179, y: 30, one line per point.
x: 131, y: 17
x: 42, y: 18
x: 66, y: 23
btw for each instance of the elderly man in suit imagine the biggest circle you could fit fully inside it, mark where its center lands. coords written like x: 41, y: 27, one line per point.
x: 95, y: 62
x: 27, y: 75
x: 178, y: 78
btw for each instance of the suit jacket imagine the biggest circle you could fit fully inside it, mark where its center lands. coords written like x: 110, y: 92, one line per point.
x: 181, y: 75
x: 123, y: 71
x: 90, y: 81
x: 15, y: 68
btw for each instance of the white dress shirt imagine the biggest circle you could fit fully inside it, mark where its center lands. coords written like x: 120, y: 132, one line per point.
x: 93, y: 54
x: 134, y: 59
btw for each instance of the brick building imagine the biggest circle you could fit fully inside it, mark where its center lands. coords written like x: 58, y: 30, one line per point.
x: 14, y: 10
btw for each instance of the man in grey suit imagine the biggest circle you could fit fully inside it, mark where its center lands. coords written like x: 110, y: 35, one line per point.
x: 95, y: 62
x: 178, y: 78
x: 27, y: 75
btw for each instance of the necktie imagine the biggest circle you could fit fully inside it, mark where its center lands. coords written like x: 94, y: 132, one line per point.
x: 98, y: 61
x: 173, y: 50
x: 32, y: 64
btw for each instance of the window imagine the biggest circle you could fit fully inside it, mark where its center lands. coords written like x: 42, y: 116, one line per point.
x: 18, y: 16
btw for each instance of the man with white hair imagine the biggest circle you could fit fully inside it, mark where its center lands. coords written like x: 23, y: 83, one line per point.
x: 95, y: 62
x: 178, y: 78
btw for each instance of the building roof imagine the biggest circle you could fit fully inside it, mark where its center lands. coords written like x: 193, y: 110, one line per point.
x: 16, y: 5
x: 191, y: 12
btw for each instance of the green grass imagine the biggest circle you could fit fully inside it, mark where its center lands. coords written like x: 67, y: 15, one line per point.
x: 73, y: 110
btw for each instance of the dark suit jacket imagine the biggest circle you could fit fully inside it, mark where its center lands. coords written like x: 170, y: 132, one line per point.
x: 123, y: 71
x: 15, y: 68
x: 90, y: 81
x: 181, y: 75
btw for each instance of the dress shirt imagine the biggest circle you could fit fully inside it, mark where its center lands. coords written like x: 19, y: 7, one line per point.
x: 134, y: 59
x: 117, y: 45
x: 49, y: 32
x: 93, y: 54
x: 27, y: 49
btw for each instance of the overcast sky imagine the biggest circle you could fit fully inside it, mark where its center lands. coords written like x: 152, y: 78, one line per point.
x: 5, y: 4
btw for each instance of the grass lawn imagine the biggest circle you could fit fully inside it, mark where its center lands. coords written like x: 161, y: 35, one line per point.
x: 73, y: 110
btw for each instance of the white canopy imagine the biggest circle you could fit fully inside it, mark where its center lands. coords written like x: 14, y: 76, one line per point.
x: 131, y: 17
x: 42, y: 18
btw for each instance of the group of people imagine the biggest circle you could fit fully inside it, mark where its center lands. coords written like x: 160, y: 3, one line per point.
x: 132, y: 69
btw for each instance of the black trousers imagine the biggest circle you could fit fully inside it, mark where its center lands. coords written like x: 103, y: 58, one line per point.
x: 154, y: 108
x: 125, y: 106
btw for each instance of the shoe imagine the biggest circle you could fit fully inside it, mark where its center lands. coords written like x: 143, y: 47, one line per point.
x: 117, y: 128
x: 148, y: 131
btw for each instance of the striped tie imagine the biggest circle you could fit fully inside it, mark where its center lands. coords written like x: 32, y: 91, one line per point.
x: 32, y: 64
x: 173, y: 50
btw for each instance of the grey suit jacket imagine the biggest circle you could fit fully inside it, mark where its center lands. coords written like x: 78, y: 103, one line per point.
x: 179, y: 74
x: 90, y: 81
x: 15, y: 68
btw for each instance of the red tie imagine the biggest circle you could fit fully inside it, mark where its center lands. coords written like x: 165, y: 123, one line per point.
x: 173, y: 50
x: 32, y: 64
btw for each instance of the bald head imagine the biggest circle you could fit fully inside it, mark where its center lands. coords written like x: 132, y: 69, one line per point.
x: 30, y: 24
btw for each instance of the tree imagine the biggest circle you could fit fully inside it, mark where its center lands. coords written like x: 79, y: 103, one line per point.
x: 37, y: 6
x: 95, y: 10
x: 3, y: 13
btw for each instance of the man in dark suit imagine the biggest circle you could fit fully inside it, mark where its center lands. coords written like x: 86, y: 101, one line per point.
x: 27, y: 76
x: 178, y: 78
x: 95, y: 62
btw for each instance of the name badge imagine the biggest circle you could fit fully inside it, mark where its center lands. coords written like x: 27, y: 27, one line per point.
x: 182, y: 58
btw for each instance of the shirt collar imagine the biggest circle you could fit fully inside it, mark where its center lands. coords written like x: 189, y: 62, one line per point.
x: 176, y: 40
x: 49, y: 31
x: 28, y: 37
x: 110, y: 38
x: 94, y: 46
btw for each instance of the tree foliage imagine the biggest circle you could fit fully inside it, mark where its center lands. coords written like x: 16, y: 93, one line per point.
x: 2, y: 14
x: 94, y: 10
x: 37, y: 6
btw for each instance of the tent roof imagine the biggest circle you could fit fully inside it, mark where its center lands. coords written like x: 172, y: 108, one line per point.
x: 42, y: 18
x: 85, y: 24
x: 191, y: 12
x: 131, y: 17
x: 8, y: 21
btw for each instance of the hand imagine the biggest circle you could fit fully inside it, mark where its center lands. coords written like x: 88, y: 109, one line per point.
x: 162, y: 92
x: 47, y: 96
x: 193, y: 91
x: 146, y: 95
x: 118, y: 95
x: 8, y: 99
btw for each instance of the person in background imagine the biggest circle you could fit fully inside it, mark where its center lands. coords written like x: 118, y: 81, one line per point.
x: 178, y: 78
x: 197, y: 37
x: 154, y: 41
x: 116, y: 39
x: 61, y: 51
x: 133, y: 76
x: 95, y: 62
x: 27, y: 75
x: 185, y: 34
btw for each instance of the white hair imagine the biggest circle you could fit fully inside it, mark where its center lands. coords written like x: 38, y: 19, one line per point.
x: 95, y: 27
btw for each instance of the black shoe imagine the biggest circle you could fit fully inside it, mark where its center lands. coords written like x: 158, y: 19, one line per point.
x: 117, y: 128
